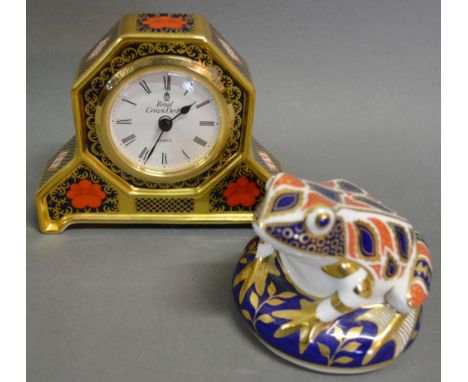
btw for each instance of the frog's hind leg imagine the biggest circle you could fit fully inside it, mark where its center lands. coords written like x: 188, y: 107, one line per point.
x: 411, y: 291
x: 421, y: 274
x: 397, y: 297
x: 355, y: 290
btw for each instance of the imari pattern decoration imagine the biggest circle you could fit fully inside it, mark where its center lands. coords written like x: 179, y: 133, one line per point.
x: 132, y: 53
x: 227, y: 49
x: 334, y: 280
x: 163, y: 112
x: 60, y: 159
x: 165, y: 22
x: 83, y: 191
x: 241, y: 190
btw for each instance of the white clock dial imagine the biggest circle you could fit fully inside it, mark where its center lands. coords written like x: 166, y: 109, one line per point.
x: 165, y: 120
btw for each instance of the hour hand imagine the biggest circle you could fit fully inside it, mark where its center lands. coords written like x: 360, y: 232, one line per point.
x: 184, y: 110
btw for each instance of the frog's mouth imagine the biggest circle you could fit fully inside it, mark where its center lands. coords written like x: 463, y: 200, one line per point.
x: 293, y: 239
x: 256, y: 225
x: 262, y: 233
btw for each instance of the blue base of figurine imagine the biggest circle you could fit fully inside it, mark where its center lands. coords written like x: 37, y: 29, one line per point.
x: 363, y: 340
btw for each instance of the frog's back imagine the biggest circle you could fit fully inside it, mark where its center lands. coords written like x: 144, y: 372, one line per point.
x: 351, y: 196
x: 381, y: 240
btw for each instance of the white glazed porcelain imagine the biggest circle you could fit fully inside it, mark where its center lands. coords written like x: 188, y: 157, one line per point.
x: 335, y: 279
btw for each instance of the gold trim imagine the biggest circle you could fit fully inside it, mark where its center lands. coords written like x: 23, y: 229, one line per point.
x: 342, y: 268
x: 320, y: 368
x: 153, y: 64
x: 387, y: 330
x: 390, y: 258
x: 313, y: 209
x: 198, y: 53
x: 409, y: 241
x: 346, y: 267
x: 339, y: 305
x: 124, y: 46
x: 377, y: 254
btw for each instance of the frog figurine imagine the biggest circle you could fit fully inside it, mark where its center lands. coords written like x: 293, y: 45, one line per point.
x: 334, y: 280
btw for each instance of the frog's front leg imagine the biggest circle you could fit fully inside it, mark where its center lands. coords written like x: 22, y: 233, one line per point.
x: 264, y: 249
x: 354, y: 288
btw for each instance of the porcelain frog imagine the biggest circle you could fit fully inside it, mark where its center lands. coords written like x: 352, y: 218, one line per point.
x: 340, y: 244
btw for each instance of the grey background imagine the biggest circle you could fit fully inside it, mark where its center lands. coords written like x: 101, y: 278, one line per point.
x: 344, y: 89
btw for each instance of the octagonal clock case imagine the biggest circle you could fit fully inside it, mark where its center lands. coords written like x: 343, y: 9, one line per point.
x: 163, y: 112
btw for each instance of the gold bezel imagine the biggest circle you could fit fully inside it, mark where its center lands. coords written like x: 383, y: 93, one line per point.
x: 148, y: 65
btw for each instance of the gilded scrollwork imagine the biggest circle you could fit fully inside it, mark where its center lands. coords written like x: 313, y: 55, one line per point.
x: 130, y: 53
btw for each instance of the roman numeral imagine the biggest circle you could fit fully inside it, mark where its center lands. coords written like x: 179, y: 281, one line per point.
x: 128, y: 140
x: 206, y: 123
x: 143, y: 153
x: 164, y: 159
x: 124, y: 121
x: 188, y: 88
x: 167, y: 82
x: 200, y: 141
x: 128, y: 101
x: 145, y: 87
x: 202, y: 104
x: 185, y: 155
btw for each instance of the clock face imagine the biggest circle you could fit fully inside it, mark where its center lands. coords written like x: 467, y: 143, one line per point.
x: 165, y: 120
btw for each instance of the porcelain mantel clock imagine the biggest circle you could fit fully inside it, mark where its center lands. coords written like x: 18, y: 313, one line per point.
x: 163, y: 110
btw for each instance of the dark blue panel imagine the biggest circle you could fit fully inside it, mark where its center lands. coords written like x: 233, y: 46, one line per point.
x: 402, y: 240
x: 327, y: 192
x: 391, y: 269
x: 285, y: 202
x: 350, y: 187
x: 373, y: 203
x: 366, y: 241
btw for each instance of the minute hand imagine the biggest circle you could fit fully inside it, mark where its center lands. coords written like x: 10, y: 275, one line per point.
x: 154, y: 146
x: 184, y: 110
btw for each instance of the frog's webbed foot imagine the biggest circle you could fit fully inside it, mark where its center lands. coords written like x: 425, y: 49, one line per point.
x: 304, y: 321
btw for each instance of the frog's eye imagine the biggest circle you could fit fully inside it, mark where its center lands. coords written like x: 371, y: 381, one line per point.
x: 320, y: 221
x: 285, y: 202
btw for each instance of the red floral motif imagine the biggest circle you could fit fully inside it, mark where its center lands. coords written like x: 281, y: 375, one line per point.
x: 161, y: 22
x: 85, y: 194
x: 241, y: 192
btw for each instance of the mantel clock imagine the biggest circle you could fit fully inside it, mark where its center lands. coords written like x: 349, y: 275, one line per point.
x: 163, y: 111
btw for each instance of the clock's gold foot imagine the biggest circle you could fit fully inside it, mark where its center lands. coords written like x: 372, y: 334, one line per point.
x: 76, y: 190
